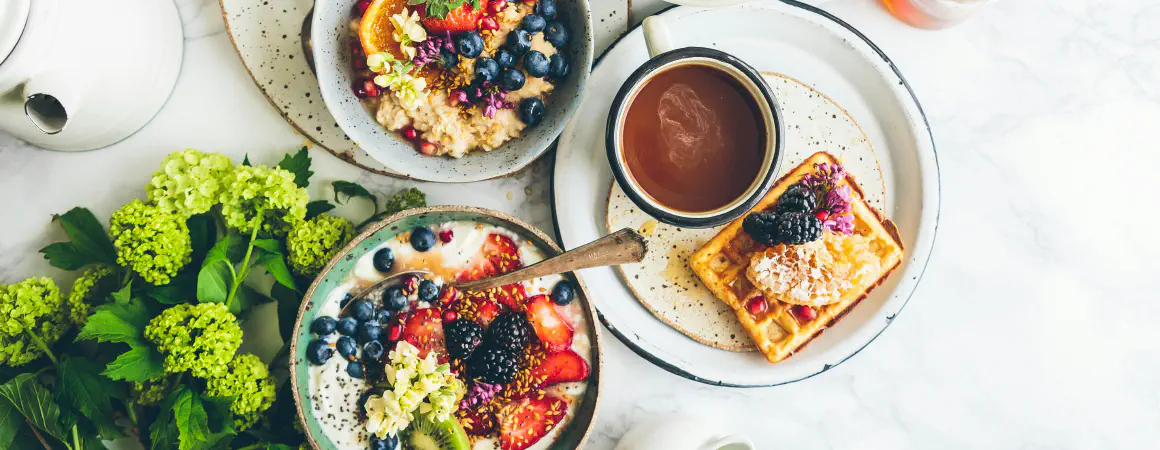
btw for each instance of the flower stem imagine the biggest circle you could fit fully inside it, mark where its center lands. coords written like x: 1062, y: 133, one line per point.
x: 40, y: 343
x: 245, y: 263
x: 76, y: 439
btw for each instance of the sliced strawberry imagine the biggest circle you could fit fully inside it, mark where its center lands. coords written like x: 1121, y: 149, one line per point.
x: 486, y: 312
x: 560, y: 367
x: 424, y: 330
x: 476, y: 423
x: 526, y: 421
x: 458, y: 20
x: 500, y: 255
x: 554, y: 332
x: 512, y: 296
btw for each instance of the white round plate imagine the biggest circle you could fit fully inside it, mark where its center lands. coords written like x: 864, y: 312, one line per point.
x: 812, y: 46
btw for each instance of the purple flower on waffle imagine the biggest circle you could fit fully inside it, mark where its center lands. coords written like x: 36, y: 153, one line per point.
x: 834, y: 199
x: 825, y: 177
x: 478, y: 394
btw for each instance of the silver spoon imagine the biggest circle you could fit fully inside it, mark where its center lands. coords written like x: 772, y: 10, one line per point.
x: 621, y: 247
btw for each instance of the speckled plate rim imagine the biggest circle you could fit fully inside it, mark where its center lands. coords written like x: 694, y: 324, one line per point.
x: 630, y: 338
x: 636, y: 293
x: 542, y: 240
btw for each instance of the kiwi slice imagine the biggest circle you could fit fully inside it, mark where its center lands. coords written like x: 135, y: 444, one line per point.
x: 445, y: 435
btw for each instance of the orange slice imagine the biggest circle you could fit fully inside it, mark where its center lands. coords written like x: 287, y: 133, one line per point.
x: 375, y: 32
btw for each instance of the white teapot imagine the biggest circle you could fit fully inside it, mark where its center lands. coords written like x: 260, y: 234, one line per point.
x: 83, y: 74
x: 678, y: 432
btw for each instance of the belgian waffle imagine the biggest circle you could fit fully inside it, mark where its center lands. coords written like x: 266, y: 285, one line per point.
x: 777, y: 331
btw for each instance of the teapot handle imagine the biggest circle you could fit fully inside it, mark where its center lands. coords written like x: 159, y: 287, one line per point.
x: 730, y: 442
x: 51, y: 96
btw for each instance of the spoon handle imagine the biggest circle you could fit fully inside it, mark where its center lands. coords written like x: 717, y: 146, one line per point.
x: 621, y: 247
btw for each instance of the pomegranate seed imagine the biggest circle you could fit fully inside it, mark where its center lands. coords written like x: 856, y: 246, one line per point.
x: 360, y: 8
x: 371, y: 88
x: 450, y: 316
x: 496, y: 6
x: 409, y: 133
x: 396, y: 332
x: 445, y: 236
x: 410, y: 284
x: 804, y: 313
x: 757, y: 305
x: 428, y: 148
x: 449, y: 294
x: 360, y: 63
x: 822, y: 215
x: 360, y: 90
x: 488, y: 23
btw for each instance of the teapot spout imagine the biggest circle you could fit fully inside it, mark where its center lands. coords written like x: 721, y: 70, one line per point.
x: 49, y: 97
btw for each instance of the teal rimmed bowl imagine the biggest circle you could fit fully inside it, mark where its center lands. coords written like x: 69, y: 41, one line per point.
x: 340, y: 267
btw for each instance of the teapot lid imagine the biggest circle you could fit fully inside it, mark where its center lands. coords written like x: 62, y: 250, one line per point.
x: 13, y: 16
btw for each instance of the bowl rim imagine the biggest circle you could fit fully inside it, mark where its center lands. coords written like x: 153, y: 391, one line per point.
x: 334, y: 103
x: 370, y: 230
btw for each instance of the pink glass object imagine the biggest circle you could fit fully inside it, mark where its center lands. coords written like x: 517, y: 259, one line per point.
x: 932, y: 14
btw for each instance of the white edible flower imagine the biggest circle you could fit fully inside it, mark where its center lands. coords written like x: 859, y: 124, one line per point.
x: 416, y: 385
x: 380, y: 62
x: 408, y: 30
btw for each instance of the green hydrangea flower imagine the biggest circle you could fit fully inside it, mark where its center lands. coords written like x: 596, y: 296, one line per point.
x: 150, y: 242
x: 33, y: 307
x: 151, y: 392
x: 90, y: 289
x: 313, y: 242
x: 256, y: 194
x: 248, y: 382
x: 189, y: 182
x: 200, y: 338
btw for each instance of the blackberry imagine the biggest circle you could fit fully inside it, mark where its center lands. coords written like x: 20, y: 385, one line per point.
x: 509, y: 332
x: 463, y: 336
x: 493, y: 365
x: 797, y: 228
x: 797, y: 198
x: 762, y: 227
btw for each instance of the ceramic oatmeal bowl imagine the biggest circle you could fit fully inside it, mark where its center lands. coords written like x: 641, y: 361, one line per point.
x: 325, y: 389
x: 333, y: 40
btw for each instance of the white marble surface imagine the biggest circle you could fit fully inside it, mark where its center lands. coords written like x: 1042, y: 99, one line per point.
x: 1033, y: 328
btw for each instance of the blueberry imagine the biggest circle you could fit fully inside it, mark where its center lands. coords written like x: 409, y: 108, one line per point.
x: 318, y: 352
x: 486, y: 69
x: 369, y: 331
x: 469, y: 44
x: 362, y: 310
x: 354, y: 369
x: 504, y: 58
x: 347, y: 326
x: 388, y: 443
x: 422, y: 239
x: 448, y: 58
x: 511, y: 79
x: 532, y: 111
x: 428, y: 291
x: 536, y: 64
x: 383, y: 260
x: 563, y: 293
x: 346, y: 347
x: 345, y: 301
x: 384, y: 315
x: 556, y: 34
x: 519, y: 42
x: 557, y: 67
x: 323, y: 325
x: 362, y: 403
x: 533, y: 23
x: 546, y: 8
x: 394, y: 299
x: 372, y: 351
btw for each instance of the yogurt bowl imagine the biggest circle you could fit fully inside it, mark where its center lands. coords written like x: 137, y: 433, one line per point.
x: 452, y: 242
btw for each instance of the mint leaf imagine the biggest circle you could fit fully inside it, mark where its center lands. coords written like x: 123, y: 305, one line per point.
x: 299, y: 165
x: 275, y: 264
x: 84, y: 388
x: 192, y: 421
x: 317, y: 207
x: 34, y: 402
x: 352, y: 190
x: 140, y: 363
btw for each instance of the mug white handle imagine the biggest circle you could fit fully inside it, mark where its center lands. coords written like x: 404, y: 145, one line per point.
x: 737, y: 443
x: 656, y: 35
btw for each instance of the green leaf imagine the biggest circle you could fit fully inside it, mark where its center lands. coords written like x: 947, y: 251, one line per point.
x: 275, y: 265
x: 246, y: 160
x: 288, y: 303
x: 140, y: 363
x: 88, y: 235
x: 65, y: 255
x: 34, y: 402
x: 122, y: 296
x: 117, y: 323
x: 163, y: 434
x: 11, y: 422
x: 299, y: 165
x: 246, y: 297
x: 317, y: 207
x: 192, y: 421
x: 270, y: 245
x: 352, y: 190
x: 217, y: 274
x: 84, y: 388
x: 181, y: 289
x: 202, y: 233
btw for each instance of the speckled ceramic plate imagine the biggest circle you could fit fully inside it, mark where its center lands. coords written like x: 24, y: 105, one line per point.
x: 666, y: 285
x: 340, y: 267
x: 825, y: 54
x: 331, y: 38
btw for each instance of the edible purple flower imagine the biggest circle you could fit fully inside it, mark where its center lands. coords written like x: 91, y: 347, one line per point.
x: 478, y: 394
x: 834, y: 198
x: 493, y: 102
x: 428, y: 50
x: 459, y: 96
